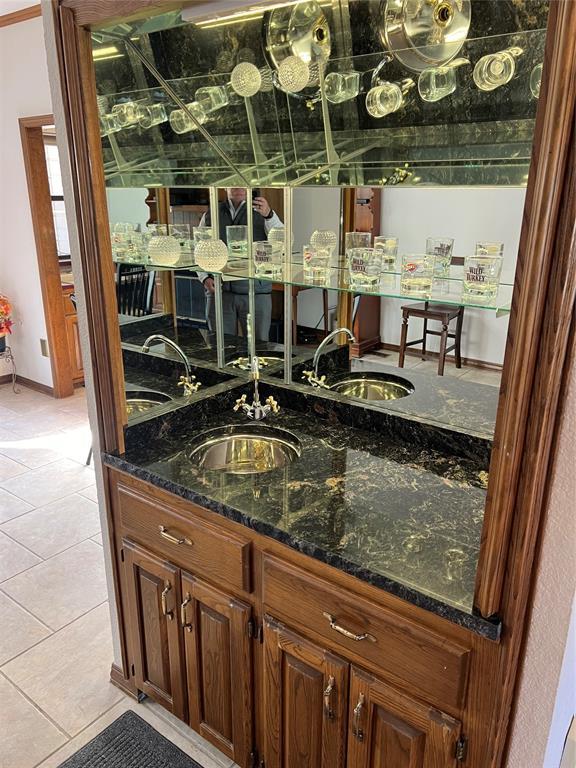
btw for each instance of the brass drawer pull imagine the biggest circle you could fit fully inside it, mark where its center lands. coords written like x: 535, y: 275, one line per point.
x: 346, y: 632
x: 327, y: 693
x: 183, y: 622
x: 357, y: 714
x: 164, y: 600
x: 173, y: 539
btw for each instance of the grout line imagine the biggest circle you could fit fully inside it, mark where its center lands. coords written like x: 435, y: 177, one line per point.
x: 54, y: 554
x: 59, y: 497
x: 36, y: 706
x: 29, y: 612
x: 42, y: 559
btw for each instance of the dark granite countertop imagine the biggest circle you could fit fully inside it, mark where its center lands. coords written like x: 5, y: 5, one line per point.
x: 402, y: 514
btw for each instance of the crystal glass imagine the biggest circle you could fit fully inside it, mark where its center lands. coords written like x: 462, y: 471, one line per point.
x: 267, y: 260
x: 237, y: 239
x: 246, y: 79
x: 324, y: 238
x: 486, y: 248
x: 441, y: 249
x: 181, y: 122
x: 316, y: 263
x: 496, y: 69
x: 481, y: 278
x: 293, y: 74
x: 212, y: 97
x: 109, y: 124
x: 126, y: 113
x: 389, y: 250
x: 200, y: 234
x: 416, y: 275
x: 536, y: 80
x: 151, y: 114
x: 384, y: 99
x: 166, y: 242
x: 341, y: 86
x: 211, y: 255
x: 355, y: 240
x: 127, y: 244
x: 276, y: 235
x: 435, y: 83
x: 364, y: 267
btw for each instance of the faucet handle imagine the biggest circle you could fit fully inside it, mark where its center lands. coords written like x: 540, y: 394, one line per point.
x: 313, y: 380
x: 240, y: 403
x: 274, y: 407
x: 190, y: 388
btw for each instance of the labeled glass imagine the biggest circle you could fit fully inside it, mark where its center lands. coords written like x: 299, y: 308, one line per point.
x: 481, y: 279
x: 441, y: 249
x: 151, y: 114
x: 316, y: 263
x: 267, y: 260
x: 389, y: 250
x: 485, y: 248
x: 212, y: 97
x: 386, y: 98
x: 435, y: 83
x: 237, y: 240
x: 417, y: 273
x: 364, y: 269
x: 496, y: 69
x: 341, y: 86
x: 126, y: 113
x: 356, y: 240
x: 536, y: 80
x: 181, y: 122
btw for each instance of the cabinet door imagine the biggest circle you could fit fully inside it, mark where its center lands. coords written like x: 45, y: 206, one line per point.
x: 153, y: 600
x: 305, y: 698
x: 219, y: 667
x: 390, y: 730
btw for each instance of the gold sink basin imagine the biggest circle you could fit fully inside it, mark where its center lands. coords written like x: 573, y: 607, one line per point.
x: 139, y: 402
x: 245, y: 450
x: 373, y: 386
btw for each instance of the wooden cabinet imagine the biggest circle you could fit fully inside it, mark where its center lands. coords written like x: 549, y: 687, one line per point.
x: 73, y: 336
x: 217, y: 632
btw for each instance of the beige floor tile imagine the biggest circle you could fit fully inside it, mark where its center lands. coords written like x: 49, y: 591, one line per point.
x: 74, y: 443
x: 67, y: 675
x: 27, y: 735
x: 61, y: 589
x: 20, y: 630
x: 41, y: 421
x: 10, y: 468
x: 98, y: 539
x: 33, y: 452
x: 11, y: 506
x: 55, y: 527
x: 90, y: 493
x: 54, y: 481
x: 14, y: 558
x: 431, y: 367
x: 481, y: 376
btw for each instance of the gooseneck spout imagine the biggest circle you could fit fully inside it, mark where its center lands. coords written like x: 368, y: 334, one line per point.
x: 324, y: 343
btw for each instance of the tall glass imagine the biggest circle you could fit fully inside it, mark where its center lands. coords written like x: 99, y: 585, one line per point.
x: 237, y: 240
x: 441, y: 249
x: 364, y: 269
x: 388, y: 246
x: 416, y: 275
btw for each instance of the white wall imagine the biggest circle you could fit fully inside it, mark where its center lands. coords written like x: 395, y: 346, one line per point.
x: 467, y: 215
x: 128, y: 205
x: 24, y: 92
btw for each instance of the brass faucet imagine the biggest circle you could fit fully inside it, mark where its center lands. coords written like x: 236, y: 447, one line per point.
x: 312, y: 376
x: 256, y: 411
x: 190, y: 386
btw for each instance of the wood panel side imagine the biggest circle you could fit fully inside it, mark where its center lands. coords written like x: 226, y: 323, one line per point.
x: 24, y: 14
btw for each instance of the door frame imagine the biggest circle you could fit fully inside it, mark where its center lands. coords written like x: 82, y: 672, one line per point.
x: 46, y: 250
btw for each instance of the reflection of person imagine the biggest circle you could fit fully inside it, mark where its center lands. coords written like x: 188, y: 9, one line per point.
x: 232, y: 211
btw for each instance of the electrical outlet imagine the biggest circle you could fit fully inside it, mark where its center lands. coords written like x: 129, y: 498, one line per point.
x: 44, y: 348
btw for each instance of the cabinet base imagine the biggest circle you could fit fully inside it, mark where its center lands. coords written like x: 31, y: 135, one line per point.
x: 126, y: 685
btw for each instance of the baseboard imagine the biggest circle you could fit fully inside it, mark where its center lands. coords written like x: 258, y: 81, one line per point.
x: 358, y: 349
x: 35, y: 385
x: 126, y: 685
x: 470, y: 361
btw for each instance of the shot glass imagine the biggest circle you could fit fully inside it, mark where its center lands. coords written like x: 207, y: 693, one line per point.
x: 181, y: 122
x: 341, y: 86
x: 364, y: 269
x: 441, y: 249
x: 126, y: 113
x: 237, y: 239
x: 496, y: 69
x: 389, y: 250
x: 267, y: 260
x: 151, y: 114
x: 481, y: 278
x: 435, y: 83
x: 316, y: 263
x: 416, y: 275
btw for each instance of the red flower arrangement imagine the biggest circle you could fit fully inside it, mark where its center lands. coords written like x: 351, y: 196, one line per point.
x: 5, y: 313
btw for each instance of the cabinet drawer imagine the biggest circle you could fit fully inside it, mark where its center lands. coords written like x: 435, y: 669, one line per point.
x: 408, y: 654
x: 193, y: 545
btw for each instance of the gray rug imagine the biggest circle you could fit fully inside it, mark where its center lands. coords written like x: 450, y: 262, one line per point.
x: 129, y: 742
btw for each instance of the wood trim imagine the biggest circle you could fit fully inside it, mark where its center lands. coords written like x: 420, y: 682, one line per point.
x: 35, y: 385
x: 89, y: 12
x: 470, y: 361
x: 46, y: 251
x: 126, y: 684
x: 32, y: 12
x: 536, y: 313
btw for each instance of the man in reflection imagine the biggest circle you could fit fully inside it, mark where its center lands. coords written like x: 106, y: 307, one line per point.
x: 232, y: 212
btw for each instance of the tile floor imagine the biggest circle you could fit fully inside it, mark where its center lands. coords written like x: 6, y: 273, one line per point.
x: 55, y: 642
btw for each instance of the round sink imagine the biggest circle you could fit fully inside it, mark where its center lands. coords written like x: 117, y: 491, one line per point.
x: 245, y: 450
x: 139, y: 402
x: 373, y: 386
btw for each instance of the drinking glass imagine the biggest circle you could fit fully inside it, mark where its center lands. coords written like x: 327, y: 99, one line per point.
x: 364, y: 269
x: 485, y: 248
x: 416, y: 275
x: 324, y: 238
x: 237, y: 239
x: 151, y: 114
x: 126, y: 113
x: 536, y: 80
x: 201, y: 233
x: 166, y: 243
x: 212, y: 97
x: 355, y: 240
x: 181, y: 122
x: 441, y: 249
x: 276, y: 235
x: 267, y: 260
x: 389, y: 248
x: 435, y: 83
x: 109, y: 124
x: 316, y: 262
x: 387, y: 97
x: 341, y: 86
x: 246, y: 79
x: 496, y: 69
x: 481, y: 278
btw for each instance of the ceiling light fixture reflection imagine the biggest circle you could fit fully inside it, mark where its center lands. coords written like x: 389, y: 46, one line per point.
x: 103, y: 53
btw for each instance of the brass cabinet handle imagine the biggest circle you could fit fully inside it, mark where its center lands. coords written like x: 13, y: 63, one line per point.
x: 173, y: 539
x: 346, y: 632
x: 357, y: 714
x: 327, y: 693
x: 164, y: 596
x: 183, y: 622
